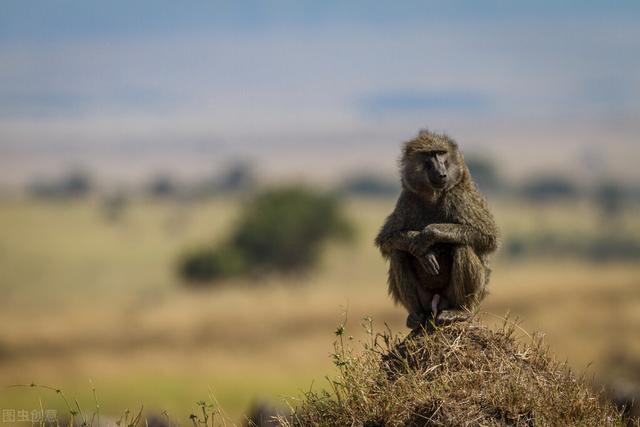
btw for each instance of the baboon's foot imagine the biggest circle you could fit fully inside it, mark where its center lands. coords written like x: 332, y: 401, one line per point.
x: 416, y: 320
x: 421, y: 322
x: 447, y: 317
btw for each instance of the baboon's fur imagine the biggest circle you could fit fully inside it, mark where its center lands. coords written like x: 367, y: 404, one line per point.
x: 453, y: 224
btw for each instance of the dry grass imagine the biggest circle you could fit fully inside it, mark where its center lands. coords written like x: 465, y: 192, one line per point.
x: 83, y: 298
x: 464, y: 374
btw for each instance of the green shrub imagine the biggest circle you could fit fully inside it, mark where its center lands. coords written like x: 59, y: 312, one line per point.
x: 203, y: 264
x: 281, y: 229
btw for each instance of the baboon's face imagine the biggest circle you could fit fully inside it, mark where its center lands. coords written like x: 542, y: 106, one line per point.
x: 436, y: 167
x: 425, y: 171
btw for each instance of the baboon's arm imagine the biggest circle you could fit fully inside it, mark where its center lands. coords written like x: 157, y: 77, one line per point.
x: 399, y: 240
x: 470, y: 223
x: 396, y: 233
x: 480, y: 241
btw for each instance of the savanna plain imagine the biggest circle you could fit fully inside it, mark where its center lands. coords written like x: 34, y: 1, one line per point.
x: 86, y: 299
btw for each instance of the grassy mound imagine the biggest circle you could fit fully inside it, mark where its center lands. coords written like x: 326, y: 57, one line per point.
x: 463, y: 374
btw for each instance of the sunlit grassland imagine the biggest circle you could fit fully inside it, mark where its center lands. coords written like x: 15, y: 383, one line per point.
x: 86, y: 298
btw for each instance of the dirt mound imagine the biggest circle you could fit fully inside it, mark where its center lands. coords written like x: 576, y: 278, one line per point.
x: 462, y: 374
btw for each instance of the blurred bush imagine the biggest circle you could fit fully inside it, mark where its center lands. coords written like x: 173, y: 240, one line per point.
x: 281, y: 229
x: 162, y: 186
x: 610, y: 197
x: 484, y: 173
x: 370, y: 185
x: 75, y: 183
x: 201, y: 265
x: 238, y: 178
x: 605, y: 246
x: 549, y: 187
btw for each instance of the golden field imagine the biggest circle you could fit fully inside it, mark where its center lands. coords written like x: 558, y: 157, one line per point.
x: 85, y: 298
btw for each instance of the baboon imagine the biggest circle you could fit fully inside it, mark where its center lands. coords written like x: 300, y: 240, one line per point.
x: 439, y: 236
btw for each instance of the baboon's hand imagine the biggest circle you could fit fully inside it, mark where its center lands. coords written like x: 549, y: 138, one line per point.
x: 420, y: 244
x: 430, y: 263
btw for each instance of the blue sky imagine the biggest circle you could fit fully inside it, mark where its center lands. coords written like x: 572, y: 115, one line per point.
x: 249, y: 78
x: 43, y: 20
